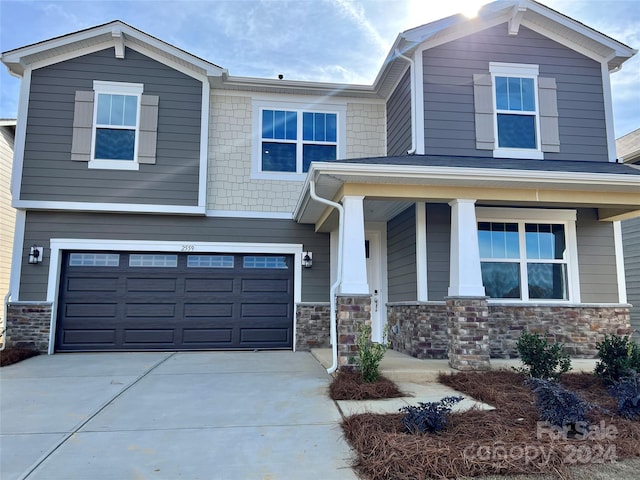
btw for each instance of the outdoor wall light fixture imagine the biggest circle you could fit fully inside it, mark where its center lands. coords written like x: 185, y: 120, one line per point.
x: 35, y: 254
x: 307, y: 259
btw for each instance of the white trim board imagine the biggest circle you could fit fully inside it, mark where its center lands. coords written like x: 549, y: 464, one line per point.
x: 60, y: 244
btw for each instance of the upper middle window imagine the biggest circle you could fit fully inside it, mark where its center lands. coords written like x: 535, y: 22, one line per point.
x: 516, y: 106
x: 290, y: 138
x: 117, y: 116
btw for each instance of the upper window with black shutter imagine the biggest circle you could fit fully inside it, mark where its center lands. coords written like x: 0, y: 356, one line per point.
x: 115, y: 126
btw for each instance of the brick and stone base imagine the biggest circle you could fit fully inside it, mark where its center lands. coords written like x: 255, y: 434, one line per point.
x: 352, y: 312
x: 420, y: 329
x: 468, y: 331
x: 578, y: 328
x: 313, y: 326
x: 28, y: 325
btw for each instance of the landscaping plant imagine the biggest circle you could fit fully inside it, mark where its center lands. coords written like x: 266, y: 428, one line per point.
x: 428, y: 417
x: 618, y: 357
x: 369, y: 354
x: 627, y: 393
x: 542, y: 359
x: 558, y: 405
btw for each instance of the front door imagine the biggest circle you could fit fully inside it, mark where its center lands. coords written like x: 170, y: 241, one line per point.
x: 373, y: 251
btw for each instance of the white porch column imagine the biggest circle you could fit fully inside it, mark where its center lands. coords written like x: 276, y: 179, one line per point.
x: 465, y: 277
x: 354, y: 266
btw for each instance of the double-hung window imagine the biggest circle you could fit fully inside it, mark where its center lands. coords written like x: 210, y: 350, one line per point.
x: 516, y: 107
x: 290, y: 138
x: 526, y: 259
x: 116, y: 125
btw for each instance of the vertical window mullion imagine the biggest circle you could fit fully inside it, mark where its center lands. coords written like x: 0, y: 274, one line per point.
x: 299, y: 141
x: 524, y: 277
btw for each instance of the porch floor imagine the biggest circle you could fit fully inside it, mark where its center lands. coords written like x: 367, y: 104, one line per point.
x: 419, y: 379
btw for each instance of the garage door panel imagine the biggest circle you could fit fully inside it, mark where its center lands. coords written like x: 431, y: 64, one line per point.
x: 264, y: 335
x: 151, y: 284
x: 216, y: 302
x: 89, y: 310
x: 167, y: 310
x: 208, y: 310
x: 90, y: 337
x: 204, y: 336
x: 89, y: 284
x: 149, y: 336
x: 212, y: 285
x: 265, y: 285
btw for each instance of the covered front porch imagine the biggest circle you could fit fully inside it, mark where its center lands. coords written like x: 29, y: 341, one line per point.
x: 471, y: 253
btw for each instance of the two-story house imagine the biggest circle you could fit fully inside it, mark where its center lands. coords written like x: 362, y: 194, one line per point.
x: 471, y: 192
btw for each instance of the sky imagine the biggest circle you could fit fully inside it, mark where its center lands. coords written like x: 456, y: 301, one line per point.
x: 340, y: 41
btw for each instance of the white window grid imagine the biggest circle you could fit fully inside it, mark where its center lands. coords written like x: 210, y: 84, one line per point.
x: 94, y: 260
x: 151, y: 260
x: 264, y: 262
x: 210, y: 261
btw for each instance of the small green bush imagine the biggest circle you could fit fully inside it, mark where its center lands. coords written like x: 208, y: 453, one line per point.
x: 369, y: 354
x: 618, y: 357
x: 428, y: 416
x: 542, y: 359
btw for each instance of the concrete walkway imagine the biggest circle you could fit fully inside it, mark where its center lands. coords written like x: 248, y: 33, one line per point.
x: 206, y: 415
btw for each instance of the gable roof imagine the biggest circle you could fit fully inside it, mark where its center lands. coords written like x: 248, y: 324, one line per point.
x: 116, y: 34
x: 514, y: 13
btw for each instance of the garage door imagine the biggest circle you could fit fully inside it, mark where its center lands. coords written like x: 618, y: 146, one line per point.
x: 158, y: 301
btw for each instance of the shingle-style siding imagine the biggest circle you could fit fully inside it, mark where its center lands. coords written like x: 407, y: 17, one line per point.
x: 399, y: 117
x: 42, y: 226
x: 449, y: 102
x: 438, y: 246
x: 401, y: 256
x: 7, y: 214
x: 230, y: 185
x: 631, y: 238
x: 49, y: 174
x: 596, y: 259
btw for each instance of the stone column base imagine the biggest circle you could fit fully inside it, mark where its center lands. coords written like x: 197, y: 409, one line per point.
x: 468, y: 331
x: 352, y: 311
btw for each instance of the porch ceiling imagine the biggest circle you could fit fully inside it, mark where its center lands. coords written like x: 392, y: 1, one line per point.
x: 389, y: 188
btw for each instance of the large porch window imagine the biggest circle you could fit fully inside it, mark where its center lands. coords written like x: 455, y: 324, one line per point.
x: 525, y: 260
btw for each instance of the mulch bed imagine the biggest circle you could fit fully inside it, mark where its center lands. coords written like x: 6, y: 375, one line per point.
x: 507, y: 440
x: 348, y: 385
x: 12, y: 355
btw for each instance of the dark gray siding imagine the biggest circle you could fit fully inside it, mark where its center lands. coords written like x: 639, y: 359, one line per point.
x: 401, y: 256
x: 438, y: 250
x: 50, y: 174
x: 596, y: 259
x: 631, y: 239
x: 41, y: 226
x: 448, y: 92
x: 399, y: 118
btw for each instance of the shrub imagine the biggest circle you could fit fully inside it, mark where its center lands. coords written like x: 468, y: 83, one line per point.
x: 428, y: 417
x: 618, y: 355
x: 627, y: 393
x: 557, y: 405
x: 542, y: 359
x: 369, y: 354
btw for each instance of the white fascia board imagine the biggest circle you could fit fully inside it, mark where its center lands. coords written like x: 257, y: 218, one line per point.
x: 108, y: 207
x: 20, y: 135
x: 331, y: 89
x: 466, y: 173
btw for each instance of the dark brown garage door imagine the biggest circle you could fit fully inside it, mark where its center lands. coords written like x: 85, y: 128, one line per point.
x: 160, y: 301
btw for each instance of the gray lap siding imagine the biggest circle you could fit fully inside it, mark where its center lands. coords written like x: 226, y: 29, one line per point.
x: 42, y: 226
x: 448, y: 92
x: 631, y: 239
x: 49, y: 174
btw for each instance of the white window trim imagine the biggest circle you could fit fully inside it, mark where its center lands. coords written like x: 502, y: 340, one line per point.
x: 531, y: 215
x: 300, y: 108
x: 115, y: 88
x: 520, y: 70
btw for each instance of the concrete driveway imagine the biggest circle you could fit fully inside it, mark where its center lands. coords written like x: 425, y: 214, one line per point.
x: 204, y: 415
